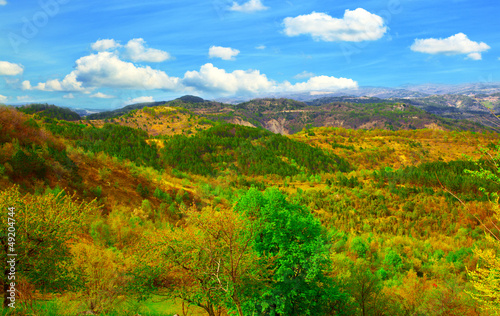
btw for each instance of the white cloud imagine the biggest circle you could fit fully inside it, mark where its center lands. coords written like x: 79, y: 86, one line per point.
x: 3, y: 98
x: 10, y: 69
x: 135, y: 50
x: 69, y: 83
x: 105, y: 69
x: 213, y: 79
x: 261, y: 47
x: 3, y: 2
x: 475, y: 56
x: 26, y: 85
x: 226, y: 53
x: 69, y: 96
x: 140, y: 100
x: 104, y: 45
x: 356, y: 26
x: 248, y: 7
x: 453, y: 45
x: 304, y: 74
x: 320, y: 83
x: 101, y: 95
x: 23, y: 98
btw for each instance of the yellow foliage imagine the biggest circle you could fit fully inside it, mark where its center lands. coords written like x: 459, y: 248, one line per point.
x: 486, y: 280
x: 103, y: 275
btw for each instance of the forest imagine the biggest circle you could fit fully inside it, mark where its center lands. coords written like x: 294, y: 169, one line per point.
x: 115, y: 218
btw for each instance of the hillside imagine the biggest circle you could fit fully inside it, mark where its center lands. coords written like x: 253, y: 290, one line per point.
x: 50, y: 111
x: 284, y: 116
x: 475, y: 108
x: 377, y: 202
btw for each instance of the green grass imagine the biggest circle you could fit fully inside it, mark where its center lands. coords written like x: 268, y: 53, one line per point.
x: 155, y: 306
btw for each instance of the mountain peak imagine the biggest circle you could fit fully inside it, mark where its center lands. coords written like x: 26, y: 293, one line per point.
x: 191, y: 99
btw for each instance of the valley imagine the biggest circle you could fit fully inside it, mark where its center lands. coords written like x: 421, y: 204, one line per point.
x: 168, y: 193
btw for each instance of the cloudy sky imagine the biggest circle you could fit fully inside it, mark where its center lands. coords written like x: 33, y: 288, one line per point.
x: 106, y: 54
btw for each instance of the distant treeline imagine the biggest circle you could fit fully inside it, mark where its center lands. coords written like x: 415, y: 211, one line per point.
x: 50, y: 111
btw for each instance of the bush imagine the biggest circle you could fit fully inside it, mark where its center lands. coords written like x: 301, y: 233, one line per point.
x: 359, y: 247
x: 25, y: 164
x: 97, y: 191
x: 142, y: 190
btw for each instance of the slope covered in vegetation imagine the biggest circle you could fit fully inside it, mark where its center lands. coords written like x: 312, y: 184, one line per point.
x: 234, y: 219
x: 286, y: 116
x: 50, y: 111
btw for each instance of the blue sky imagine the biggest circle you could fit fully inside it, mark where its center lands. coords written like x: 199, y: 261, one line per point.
x: 106, y: 54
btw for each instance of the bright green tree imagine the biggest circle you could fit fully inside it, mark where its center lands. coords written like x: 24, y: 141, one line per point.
x: 297, y: 246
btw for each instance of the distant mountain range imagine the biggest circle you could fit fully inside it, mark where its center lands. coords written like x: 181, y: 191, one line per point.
x: 406, y: 91
x: 366, y: 107
x: 287, y: 116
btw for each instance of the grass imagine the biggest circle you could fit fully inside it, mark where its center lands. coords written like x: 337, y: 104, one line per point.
x: 152, y: 307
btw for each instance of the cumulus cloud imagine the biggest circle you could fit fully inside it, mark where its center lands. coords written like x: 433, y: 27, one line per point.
x: 3, y: 98
x: 261, y: 47
x: 356, y: 26
x: 226, y: 53
x: 140, y: 100
x: 213, y: 79
x: 105, y: 69
x: 3, y: 2
x: 104, y: 45
x: 320, y: 83
x: 136, y: 50
x: 69, y: 96
x: 26, y: 85
x: 10, y: 69
x: 101, y: 95
x: 248, y: 7
x: 453, y: 45
x: 69, y: 83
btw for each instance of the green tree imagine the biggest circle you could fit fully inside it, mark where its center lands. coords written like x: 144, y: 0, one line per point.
x: 365, y: 288
x: 296, y: 243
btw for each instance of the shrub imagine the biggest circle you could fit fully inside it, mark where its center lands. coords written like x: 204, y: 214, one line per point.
x: 359, y: 247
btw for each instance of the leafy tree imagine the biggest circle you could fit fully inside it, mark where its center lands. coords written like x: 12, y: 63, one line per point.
x: 486, y: 277
x: 365, y: 288
x: 296, y: 243
x: 209, y: 262
x: 359, y: 247
x: 102, y: 275
x: 45, y: 227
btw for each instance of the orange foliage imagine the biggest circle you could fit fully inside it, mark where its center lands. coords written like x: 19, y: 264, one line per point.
x: 14, y: 125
